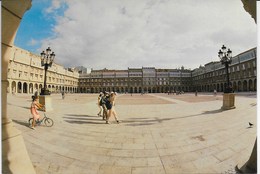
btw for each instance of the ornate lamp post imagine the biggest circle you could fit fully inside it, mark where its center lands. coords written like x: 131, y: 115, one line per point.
x: 225, y: 58
x: 228, y: 97
x: 46, y: 61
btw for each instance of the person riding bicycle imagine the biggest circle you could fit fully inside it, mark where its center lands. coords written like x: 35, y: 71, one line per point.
x: 35, y: 105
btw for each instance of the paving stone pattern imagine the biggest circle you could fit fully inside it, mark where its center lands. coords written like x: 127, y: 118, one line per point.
x: 159, y: 134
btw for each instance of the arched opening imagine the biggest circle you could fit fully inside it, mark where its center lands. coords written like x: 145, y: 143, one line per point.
x: 234, y: 86
x: 13, y: 86
x: 250, y: 85
x: 36, y: 87
x: 221, y: 87
x: 239, y: 86
x: 245, y: 85
x: 255, y: 85
x: 40, y: 87
x: 31, y: 88
x: 25, y: 88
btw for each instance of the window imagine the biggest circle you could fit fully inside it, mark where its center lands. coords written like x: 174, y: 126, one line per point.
x: 20, y: 73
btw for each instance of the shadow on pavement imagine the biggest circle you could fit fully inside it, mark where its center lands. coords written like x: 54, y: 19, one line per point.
x: 83, y: 119
x: 25, y: 107
x: 23, y: 123
x: 156, y: 120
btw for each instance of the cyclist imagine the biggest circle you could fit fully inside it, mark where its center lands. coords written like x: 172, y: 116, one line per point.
x: 35, y: 105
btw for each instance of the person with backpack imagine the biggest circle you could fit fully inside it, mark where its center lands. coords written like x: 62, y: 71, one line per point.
x: 108, y: 106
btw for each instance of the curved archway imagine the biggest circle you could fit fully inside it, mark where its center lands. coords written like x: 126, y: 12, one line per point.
x: 221, y: 87
x: 250, y: 85
x: 235, y: 86
x: 25, y: 87
x: 36, y: 87
x: 239, y: 86
x: 245, y: 87
x: 53, y: 89
x: 255, y: 85
x: 13, y: 86
x: 31, y: 88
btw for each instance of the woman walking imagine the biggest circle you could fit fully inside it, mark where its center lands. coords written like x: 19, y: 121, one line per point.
x: 112, y: 111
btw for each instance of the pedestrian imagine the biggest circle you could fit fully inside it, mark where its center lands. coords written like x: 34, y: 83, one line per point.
x: 103, y: 103
x: 215, y: 92
x: 113, y: 110
x: 196, y: 93
x: 100, y: 104
x: 108, y: 106
x: 63, y: 95
x: 35, y: 105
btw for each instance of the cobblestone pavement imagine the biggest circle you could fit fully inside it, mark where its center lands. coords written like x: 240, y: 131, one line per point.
x: 159, y: 133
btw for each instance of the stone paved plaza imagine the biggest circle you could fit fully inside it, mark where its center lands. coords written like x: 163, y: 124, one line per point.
x: 159, y: 134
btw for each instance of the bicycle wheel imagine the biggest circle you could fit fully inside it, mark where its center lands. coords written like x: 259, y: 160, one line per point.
x: 30, y: 121
x: 48, y: 122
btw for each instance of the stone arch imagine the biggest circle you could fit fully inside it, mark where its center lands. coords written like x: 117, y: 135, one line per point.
x: 135, y: 89
x: 245, y: 87
x: 13, y: 87
x: 158, y: 90
x: 235, y: 86
x: 25, y: 87
x: 53, y: 89
x: 40, y: 87
x: 221, y: 87
x: 239, y: 86
x: 250, y: 85
x: 36, y: 87
x: 255, y: 85
x: 31, y: 88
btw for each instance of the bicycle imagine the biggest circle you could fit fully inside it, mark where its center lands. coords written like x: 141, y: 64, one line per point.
x: 47, y: 121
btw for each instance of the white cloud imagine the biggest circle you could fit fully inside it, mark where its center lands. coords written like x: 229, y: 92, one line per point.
x: 56, y: 4
x: 118, y: 34
x: 33, y: 42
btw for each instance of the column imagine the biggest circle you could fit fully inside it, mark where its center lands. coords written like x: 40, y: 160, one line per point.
x: 15, y: 158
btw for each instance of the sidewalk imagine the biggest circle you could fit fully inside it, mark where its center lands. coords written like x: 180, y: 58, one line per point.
x: 162, y: 134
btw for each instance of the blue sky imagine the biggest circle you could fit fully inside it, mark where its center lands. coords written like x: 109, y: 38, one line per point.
x: 37, y: 25
x: 118, y: 34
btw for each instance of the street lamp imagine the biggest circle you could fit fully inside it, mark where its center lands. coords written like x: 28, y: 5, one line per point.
x: 225, y: 58
x: 46, y: 61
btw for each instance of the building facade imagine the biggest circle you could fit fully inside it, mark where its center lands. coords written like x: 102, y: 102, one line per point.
x: 26, y: 75
x: 242, y: 74
x: 136, y: 80
x: 207, y: 78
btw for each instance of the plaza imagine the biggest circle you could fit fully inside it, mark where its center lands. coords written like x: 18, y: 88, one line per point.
x: 159, y: 133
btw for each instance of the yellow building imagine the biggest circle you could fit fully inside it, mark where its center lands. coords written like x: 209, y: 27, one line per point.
x: 26, y: 75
